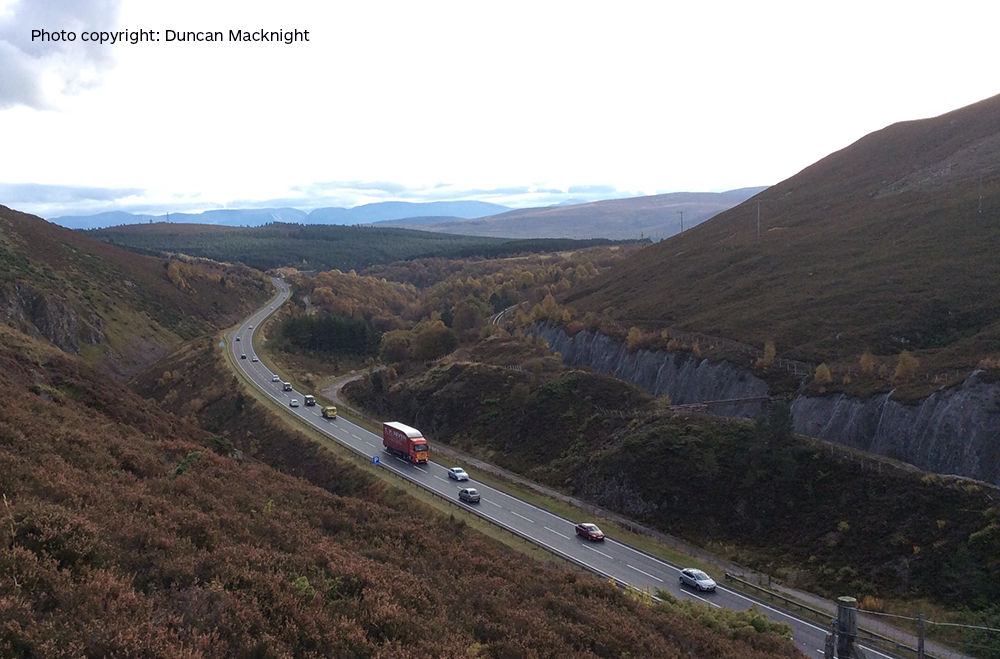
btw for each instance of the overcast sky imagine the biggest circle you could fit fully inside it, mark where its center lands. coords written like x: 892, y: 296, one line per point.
x: 520, y: 103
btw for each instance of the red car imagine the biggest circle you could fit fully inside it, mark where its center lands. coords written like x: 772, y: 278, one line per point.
x: 589, y: 531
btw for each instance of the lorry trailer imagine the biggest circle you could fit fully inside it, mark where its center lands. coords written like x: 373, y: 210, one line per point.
x: 404, y: 441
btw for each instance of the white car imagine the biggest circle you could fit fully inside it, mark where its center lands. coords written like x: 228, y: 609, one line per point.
x: 293, y: 402
x: 275, y: 378
x: 458, y: 474
x: 255, y: 359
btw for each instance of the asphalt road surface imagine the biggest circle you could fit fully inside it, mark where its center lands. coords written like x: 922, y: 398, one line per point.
x: 608, y: 558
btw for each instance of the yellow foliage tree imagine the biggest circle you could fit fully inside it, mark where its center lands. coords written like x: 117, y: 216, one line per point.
x: 822, y: 376
x: 634, y: 339
x: 868, y: 363
x: 906, y: 367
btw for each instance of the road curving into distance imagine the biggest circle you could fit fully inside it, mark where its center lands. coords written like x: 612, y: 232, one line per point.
x: 610, y: 558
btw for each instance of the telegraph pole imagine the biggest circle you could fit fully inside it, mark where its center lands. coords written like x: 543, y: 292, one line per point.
x: 980, y: 190
x: 682, y: 220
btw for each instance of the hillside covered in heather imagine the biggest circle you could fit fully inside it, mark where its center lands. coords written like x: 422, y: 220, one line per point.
x: 127, y: 531
x: 888, y: 245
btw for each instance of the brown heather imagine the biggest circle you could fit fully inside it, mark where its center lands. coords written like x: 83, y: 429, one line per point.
x: 104, y: 552
x: 878, y: 247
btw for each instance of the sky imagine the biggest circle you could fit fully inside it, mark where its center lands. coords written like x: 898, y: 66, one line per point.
x: 517, y: 103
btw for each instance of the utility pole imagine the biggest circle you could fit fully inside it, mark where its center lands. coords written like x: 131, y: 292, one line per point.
x: 920, y: 637
x: 682, y: 220
x: 980, y: 190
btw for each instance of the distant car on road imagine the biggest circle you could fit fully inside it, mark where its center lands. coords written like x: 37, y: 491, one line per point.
x: 255, y: 359
x: 293, y: 402
x: 286, y: 386
x: 237, y: 338
x: 697, y: 579
x: 589, y: 531
x: 469, y: 495
x: 458, y: 474
x: 249, y: 326
x: 275, y: 378
x: 243, y: 356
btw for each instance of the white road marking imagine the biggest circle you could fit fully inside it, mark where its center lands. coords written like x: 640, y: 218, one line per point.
x: 651, y: 576
x: 600, y: 552
x: 493, y: 503
x: 556, y: 532
x: 439, y: 478
x: 369, y: 443
x: 700, y: 598
x: 522, y: 517
x: 420, y: 468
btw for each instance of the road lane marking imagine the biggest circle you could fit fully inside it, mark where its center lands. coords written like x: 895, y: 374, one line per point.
x: 556, y: 532
x: 651, y: 576
x: 600, y: 552
x: 420, y: 468
x: 439, y: 478
x: 369, y: 443
x: 493, y: 503
x: 700, y: 598
x: 522, y: 517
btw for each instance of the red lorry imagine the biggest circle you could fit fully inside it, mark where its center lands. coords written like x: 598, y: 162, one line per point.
x: 404, y: 441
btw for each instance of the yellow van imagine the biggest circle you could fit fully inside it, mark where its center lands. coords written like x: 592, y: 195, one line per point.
x: 330, y: 412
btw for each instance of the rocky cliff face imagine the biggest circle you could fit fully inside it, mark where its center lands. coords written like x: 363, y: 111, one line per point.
x: 684, y: 378
x: 953, y: 431
x: 39, y: 315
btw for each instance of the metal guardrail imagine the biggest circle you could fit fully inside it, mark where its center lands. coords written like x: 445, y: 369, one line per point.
x: 873, y: 638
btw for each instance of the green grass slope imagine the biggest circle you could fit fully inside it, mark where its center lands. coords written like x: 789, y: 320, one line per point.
x: 879, y: 246
x: 113, y: 307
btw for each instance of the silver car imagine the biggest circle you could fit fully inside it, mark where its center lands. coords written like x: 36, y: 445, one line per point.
x: 697, y: 579
x: 469, y: 495
x: 458, y: 474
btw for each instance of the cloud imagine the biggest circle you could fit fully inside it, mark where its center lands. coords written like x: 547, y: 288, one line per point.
x: 592, y: 189
x: 37, y: 193
x: 30, y: 69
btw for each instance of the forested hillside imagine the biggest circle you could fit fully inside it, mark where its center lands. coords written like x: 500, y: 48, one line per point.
x: 314, y: 247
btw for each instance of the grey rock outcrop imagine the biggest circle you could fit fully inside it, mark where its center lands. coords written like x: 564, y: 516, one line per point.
x: 953, y: 431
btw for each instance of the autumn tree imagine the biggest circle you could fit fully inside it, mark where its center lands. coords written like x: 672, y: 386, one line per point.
x: 767, y: 359
x: 868, y: 363
x: 434, y: 341
x: 395, y: 346
x: 634, y: 339
x: 906, y: 367
x: 822, y: 376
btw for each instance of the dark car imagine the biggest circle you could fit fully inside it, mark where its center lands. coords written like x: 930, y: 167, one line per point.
x: 469, y: 495
x: 589, y: 531
x: 697, y: 579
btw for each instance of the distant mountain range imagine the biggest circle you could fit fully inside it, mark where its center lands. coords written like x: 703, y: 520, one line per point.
x: 654, y: 216
x: 251, y: 217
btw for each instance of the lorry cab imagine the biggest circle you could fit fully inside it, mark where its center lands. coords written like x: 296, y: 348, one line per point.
x: 330, y: 412
x: 309, y: 400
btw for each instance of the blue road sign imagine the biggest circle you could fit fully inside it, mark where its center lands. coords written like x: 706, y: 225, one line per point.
x: 375, y: 460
